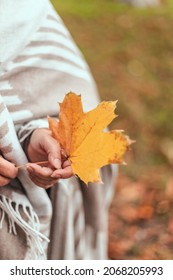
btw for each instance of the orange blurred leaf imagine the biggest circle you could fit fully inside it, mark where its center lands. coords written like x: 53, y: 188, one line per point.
x: 145, y: 212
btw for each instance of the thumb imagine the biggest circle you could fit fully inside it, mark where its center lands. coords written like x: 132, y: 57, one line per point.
x: 53, y: 150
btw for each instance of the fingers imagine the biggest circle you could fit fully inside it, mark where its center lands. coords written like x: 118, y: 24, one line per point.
x: 43, y: 172
x: 41, y: 175
x: 64, y: 173
x: 42, y: 183
x: 43, y: 147
x: 45, y: 177
x: 66, y: 163
x: 53, y: 150
x: 8, y: 171
x: 4, y: 181
x: 54, y: 161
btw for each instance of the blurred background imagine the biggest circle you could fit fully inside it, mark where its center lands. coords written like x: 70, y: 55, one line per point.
x: 128, y: 45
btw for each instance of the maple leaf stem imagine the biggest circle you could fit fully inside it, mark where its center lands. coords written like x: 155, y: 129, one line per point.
x: 39, y: 163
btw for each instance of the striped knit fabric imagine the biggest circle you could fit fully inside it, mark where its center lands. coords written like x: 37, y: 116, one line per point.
x: 50, y: 56
x: 45, y: 67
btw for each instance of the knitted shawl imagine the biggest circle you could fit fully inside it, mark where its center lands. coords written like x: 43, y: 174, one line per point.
x: 41, y: 67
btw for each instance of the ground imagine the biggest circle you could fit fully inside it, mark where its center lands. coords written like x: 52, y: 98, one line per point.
x: 130, y: 55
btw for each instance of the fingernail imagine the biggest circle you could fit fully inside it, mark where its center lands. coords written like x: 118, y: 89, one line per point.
x: 56, y: 176
x: 29, y: 168
x: 57, y: 163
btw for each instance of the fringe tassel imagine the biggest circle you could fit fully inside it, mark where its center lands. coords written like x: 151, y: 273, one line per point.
x: 31, y: 228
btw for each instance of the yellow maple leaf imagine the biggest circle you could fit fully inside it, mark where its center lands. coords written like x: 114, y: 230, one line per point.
x: 82, y: 138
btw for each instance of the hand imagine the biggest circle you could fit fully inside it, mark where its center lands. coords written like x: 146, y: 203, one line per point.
x: 8, y: 171
x: 43, y: 147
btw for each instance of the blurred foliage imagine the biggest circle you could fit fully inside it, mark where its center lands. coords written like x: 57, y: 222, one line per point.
x: 130, y: 51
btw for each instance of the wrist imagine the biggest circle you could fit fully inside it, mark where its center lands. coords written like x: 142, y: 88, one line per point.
x: 25, y: 144
x: 30, y: 152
